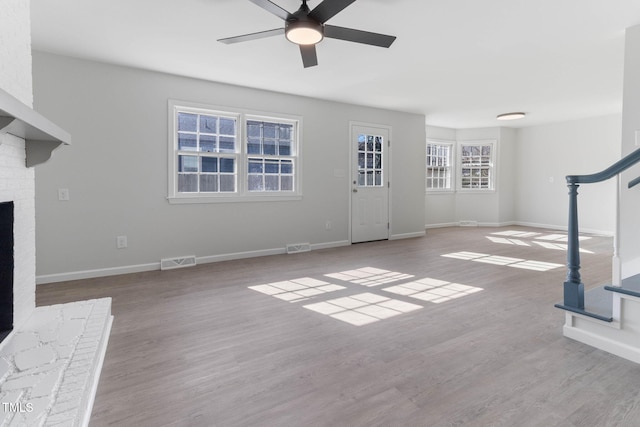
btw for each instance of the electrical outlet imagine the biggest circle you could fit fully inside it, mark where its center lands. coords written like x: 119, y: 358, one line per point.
x: 121, y: 242
x: 637, y: 138
x: 63, y: 194
x: 328, y: 225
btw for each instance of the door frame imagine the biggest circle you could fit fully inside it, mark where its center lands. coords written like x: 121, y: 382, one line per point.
x: 388, y: 129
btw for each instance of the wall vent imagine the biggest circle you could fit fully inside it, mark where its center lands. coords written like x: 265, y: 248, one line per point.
x: 179, y: 262
x: 468, y: 223
x: 294, y: 248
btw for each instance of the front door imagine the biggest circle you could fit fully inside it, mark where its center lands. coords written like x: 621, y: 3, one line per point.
x: 369, y: 183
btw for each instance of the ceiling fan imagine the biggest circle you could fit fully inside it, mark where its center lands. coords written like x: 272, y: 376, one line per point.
x: 307, y: 27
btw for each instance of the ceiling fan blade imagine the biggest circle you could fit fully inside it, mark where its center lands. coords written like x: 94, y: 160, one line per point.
x: 272, y: 7
x: 309, y: 57
x: 252, y: 36
x: 328, y: 9
x: 358, y: 36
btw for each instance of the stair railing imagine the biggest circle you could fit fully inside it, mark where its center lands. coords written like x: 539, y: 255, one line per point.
x: 573, y: 286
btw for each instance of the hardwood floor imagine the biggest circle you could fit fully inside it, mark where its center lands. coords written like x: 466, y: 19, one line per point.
x: 197, y: 347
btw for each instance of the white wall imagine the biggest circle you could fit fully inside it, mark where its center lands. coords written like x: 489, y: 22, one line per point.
x: 531, y: 169
x: 16, y: 181
x: 630, y: 198
x: 486, y: 208
x: 507, y: 172
x: 116, y: 172
x: 546, y: 154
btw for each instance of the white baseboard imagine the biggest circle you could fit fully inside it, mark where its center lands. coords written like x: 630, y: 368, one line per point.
x: 407, y: 235
x: 127, y: 269
x: 329, y: 245
x: 478, y: 224
x: 240, y: 255
x: 496, y: 224
x: 99, y: 272
x: 441, y: 225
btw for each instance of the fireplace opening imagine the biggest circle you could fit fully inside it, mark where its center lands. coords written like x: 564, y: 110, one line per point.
x: 6, y: 269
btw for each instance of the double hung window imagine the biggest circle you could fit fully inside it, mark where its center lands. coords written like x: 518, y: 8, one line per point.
x: 271, y: 163
x: 477, y: 165
x: 206, y: 153
x: 439, y: 171
x: 217, y: 155
x: 471, y: 168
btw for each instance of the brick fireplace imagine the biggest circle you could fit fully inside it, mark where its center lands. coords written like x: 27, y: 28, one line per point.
x: 17, y: 194
x: 17, y: 182
x: 50, y: 357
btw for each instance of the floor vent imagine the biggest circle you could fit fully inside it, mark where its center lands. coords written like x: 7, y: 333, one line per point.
x: 468, y: 223
x: 294, y: 248
x: 179, y: 262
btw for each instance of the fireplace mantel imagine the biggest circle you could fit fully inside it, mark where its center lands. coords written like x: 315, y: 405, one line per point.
x: 40, y: 134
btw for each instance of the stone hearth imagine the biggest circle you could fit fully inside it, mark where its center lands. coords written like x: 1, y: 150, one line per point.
x: 49, y: 367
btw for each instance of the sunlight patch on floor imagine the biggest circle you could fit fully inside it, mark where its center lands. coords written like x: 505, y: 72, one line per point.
x: 538, y: 236
x: 507, y: 241
x: 502, y: 260
x: 499, y: 260
x: 516, y: 233
x: 560, y: 237
x: 363, y: 308
x: 297, y: 289
x: 536, y: 265
x: 559, y: 246
x: 433, y: 290
x: 369, y: 276
x: 465, y: 255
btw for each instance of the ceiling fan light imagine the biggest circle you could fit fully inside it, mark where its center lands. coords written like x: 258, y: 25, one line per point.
x: 304, y: 32
x: 510, y: 116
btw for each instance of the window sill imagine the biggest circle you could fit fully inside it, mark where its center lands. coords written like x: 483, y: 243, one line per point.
x: 476, y: 191
x: 436, y: 192
x: 232, y: 199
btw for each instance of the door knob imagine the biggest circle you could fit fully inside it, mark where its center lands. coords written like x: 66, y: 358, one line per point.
x: 355, y: 190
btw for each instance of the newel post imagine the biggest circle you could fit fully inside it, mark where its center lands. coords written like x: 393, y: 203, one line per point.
x: 573, y: 286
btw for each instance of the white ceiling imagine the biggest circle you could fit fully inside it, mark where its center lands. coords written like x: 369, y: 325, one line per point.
x: 459, y: 62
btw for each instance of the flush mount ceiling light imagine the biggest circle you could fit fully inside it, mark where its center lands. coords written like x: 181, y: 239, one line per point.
x: 510, y: 116
x: 304, y: 32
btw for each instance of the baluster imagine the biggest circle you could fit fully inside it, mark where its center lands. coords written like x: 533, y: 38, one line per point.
x: 573, y: 287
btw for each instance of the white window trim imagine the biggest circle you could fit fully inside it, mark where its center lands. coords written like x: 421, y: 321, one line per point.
x: 452, y: 167
x: 242, y: 194
x: 493, y: 175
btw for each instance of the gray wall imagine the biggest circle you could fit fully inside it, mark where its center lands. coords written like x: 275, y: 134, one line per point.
x: 489, y: 208
x: 546, y: 154
x: 531, y: 169
x: 116, y: 173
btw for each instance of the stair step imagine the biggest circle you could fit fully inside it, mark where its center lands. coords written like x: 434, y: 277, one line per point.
x: 629, y: 286
x: 598, y: 304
